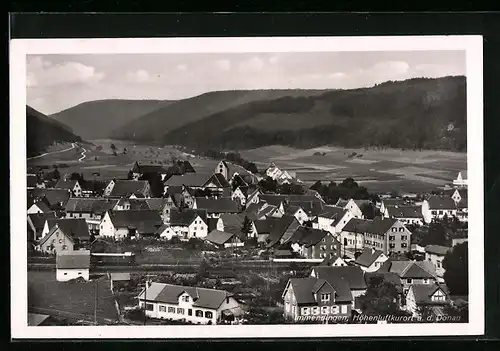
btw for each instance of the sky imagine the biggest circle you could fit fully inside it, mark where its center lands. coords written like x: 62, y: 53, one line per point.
x: 58, y: 82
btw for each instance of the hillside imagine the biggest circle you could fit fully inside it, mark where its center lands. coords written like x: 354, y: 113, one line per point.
x: 42, y: 131
x: 155, y: 125
x: 97, y: 119
x: 417, y: 113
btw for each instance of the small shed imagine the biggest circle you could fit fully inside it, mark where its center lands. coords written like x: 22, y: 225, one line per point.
x: 223, y: 239
x: 119, y: 280
x: 72, y: 265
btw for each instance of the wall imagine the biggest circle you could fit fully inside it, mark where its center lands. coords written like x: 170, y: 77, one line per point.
x: 34, y: 209
x: 437, y: 262
x: 60, y: 242
x: 197, y: 229
x: 402, y: 239
x: 68, y: 274
x: 106, y: 227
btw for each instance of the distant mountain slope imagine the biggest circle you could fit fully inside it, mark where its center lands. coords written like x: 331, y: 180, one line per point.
x: 42, y: 131
x: 155, y: 125
x: 416, y: 113
x: 97, y: 119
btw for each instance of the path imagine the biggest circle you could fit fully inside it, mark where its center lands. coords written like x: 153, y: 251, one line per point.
x: 83, y: 155
x: 73, y: 145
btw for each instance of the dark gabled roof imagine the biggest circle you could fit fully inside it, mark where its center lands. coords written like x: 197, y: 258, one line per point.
x: 265, y: 226
x: 42, y: 206
x: 65, y: 184
x: 353, y: 275
x: 409, y: 269
x: 212, y: 224
x: 233, y: 168
x: 424, y: 292
x: 126, y: 188
x: 291, y: 210
x: 189, y: 179
x: 332, y: 212
x: 272, y: 199
x: 144, y: 221
x: 380, y: 225
x: 280, y: 227
x: 219, y: 180
x: 441, y: 202
x: 303, y: 289
x: 186, y: 216
x: 53, y: 196
x: 219, y: 205
x: 77, y: 228
x: 73, y: 260
x: 168, y: 293
x: 360, y: 203
x: 342, y: 202
x: 151, y: 169
x: 394, y: 202
x: 90, y: 205
x: 156, y: 204
x: 220, y: 238
x: 49, y: 234
x: 38, y: 219
x: 389, y: 277
x: 312, y: 208
x: 232, y: 222
x: 174, y: 189
x: 367, y: 257
x: 356, y: 225
x: 437, y: 249
x: 31, y: 180
x: 307, y: 236
x: 404, y: 211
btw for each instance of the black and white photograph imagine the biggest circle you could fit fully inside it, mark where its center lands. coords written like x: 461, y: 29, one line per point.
x: 247, y: 187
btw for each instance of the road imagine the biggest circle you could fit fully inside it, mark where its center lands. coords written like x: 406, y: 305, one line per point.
x: 73, y: 145
x: 83, y: 155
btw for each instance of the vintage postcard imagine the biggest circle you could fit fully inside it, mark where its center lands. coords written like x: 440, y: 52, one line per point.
x: 246, y: 187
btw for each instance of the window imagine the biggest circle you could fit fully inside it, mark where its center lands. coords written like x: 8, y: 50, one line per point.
x: 162, y: 308
x: 404, y: 245
x: 305, y: 311
x: 198, y: 313
x: 333, y: 247
x: 438, y: 264
x: 408, y: 281
x: 315, y: 310
x: 209, y: 314
x: 293, y: 309
x: 392, y: 246
x: 171, y: 310
x: 325, y: 309
x: 335, y: 309
x: 190, y: 312
x: 401, y: 229
x: 343, y: 309
x: 325, y: 297
x: 394, y: 229
x: 331, y: 255
x: 438, y: 297
x: 180, y: 311
x: 79, y: 273
x: 185, y: 298
x: 403, y: 237
x: 426, y: 281
x: 433, y: 212
x: 440, y: 212
x: 149, y: 307
x: 65, y: 273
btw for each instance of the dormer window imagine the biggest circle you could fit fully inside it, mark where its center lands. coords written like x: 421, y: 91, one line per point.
x: 325, y: 297
x: 185, y: 298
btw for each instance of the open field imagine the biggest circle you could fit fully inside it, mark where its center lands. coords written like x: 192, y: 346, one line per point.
x: 378, y: 170
x: 44, y: 292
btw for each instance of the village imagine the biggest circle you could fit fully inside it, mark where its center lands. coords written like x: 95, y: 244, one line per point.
x: 173, y: 245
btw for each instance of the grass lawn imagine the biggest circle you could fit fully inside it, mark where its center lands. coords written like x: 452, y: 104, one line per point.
x: 77, y: 299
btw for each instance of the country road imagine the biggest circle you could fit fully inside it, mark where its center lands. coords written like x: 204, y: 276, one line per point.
x: 83, y: 155
x: 73, y: 145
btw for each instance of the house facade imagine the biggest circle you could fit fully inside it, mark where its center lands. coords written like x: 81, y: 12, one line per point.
x: 437, y: 207
x: 371, y: 260
x: 73, y: 186
x: 334, y: 219
x: 72, y: 265
x: 187, y: 224
x: 435, y: 296
x: 435, y: 254
x: 184, y: 303
x: 352, y: 207
x: 56, y: 242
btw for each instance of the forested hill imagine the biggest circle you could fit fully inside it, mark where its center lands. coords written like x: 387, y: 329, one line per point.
x: 417, y: 113
x: 42, y: 131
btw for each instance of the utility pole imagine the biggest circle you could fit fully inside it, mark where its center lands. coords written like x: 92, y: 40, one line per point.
x: 96, y: 299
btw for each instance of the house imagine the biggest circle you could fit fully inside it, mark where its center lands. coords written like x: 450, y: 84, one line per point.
x: 370, y: 259
x: 216, y: 207
x: 73, y: 186
x: 233, y: 223
x: 56, y: 241
x: 33, y: 181
x: 460, y: 197
x: 353, y: 206
x: 282, y: 230
x: 391, y: 202
x: 312, y: 207
x: 263, y: 228
x: 230, y: 171
x: 39, y: 207
x: 254, y: 197
x: 433, y: 296
x: 239, y: 195
x: 119, y: 280
x: 200, y: 181
x: 352, y: 234
x: 223, y: 239
x: 307, y: 298
x: 90, y: 209
x: 435, y: 254
x: 180, y: 167
x: 189, y: 223
x: 54, y: 198
x: 333, y: 219
x: 335, y: 261
x: 353, y: 275
x: 125, y: 204
x: 262, y: 211
x: 36, y: 223
x: 160, y: 205
x: 461, y: 180
x: 297, y: 212
x: 72, y: 265
x: 77, y: 229
x: 126, y: 188
x: 139, y: 170
x: 407, y: 214
x: 410, y: 272
x: 165, y: 232
x: 190, y: 304
x: 130, y: 223
x: 437, y: 207
x: 313, y: 243
x: 275, y: 200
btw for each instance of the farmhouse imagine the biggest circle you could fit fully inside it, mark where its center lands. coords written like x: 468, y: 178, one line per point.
x: 297, y: 212
x: 131, y: 223
x: 223, y: 239
x: 254, y: 197
x: 130, y: 204
x: 410, y: 272
x: 233, y: 223
x: 216, y: 207
x: 239, y: 195
x: 278, y: 201
x: 56, y: 241
x: 199, y: 181
x: 263, y: 228
x: 39, y: 207
x: 126, y: 188
x: 370, y: 260
x: 437, y: 207
x: 353, y: 275
x: 335, y: 261
x: 92, y: 210
x: 435, y: 254
x: 353, y: 206
x: 282, y: 230
x: 306, y: 297
x: 333, y: 219
x: 190, y: 304
x: 36, y: 223
x: 461, y: 180
x: 310, y: 207
x: 139, y: 170
x: 73, y: 186
x: 405, y: 214
x: 391, y: 203
x: 434, y: 296
x: 72, y: 265
x: 77, y: 229
x: 313, y: 243
x: 230, y: 171
x: 55, y: 198
x: 189, y: 223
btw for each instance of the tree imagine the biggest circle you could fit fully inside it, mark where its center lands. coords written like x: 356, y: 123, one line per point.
x: 381, y: 298
x: 349, y: 183
x: 368, y: 210
x: 203, y: 269
x: 246, y: 228
x: 155, y: 182
x: 130, y: 175
x: 456, y: 273
x: 436, y: 235
x: 268, y: 185
x: 318, y: 186
x: 113, y: 147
